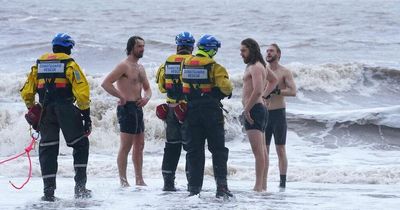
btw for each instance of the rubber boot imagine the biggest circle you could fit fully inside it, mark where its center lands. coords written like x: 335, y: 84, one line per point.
x: 169, y: 182
x: 194, y: 190
x: 81, y: 192
x: 223, y: 191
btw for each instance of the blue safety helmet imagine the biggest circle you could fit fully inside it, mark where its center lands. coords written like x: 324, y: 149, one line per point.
x: 184, y: 39
x: 63, y: 39
x: 208, y: 42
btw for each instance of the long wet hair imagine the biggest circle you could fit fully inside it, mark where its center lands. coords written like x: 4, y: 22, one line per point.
x: 255, y: 52
x: 131, y: 44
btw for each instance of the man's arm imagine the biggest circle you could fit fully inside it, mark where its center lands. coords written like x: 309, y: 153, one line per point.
x: 146, y: 88
x: 221, y: 79
x: 80, y: 85
x: 111, y: 78
x: 272, y: 82
x: 290, y: 89
x: 28, y: 91
x: 160, y: 78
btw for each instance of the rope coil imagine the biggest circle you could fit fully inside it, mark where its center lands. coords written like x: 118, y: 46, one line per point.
x: 27, y: 151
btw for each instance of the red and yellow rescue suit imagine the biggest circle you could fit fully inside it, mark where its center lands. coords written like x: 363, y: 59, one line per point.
x: 204, y: 84
x: 60, y: 82
x: 169, y: 82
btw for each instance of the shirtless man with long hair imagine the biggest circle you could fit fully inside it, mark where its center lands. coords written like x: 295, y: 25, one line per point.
x: 255, y: 84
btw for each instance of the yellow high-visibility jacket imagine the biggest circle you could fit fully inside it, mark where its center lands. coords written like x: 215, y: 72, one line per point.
x: 70, y: 79
x: 168, y: 78
x: 204, y: 74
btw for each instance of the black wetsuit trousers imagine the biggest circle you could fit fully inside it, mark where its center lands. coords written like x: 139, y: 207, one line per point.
x: 173, y: 145
x: 204, y: 120
x: 64, y: 116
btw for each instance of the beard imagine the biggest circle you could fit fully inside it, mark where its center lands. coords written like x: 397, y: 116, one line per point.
x: 138, y: 55
x: 272, y: 58
x: 246, y: 60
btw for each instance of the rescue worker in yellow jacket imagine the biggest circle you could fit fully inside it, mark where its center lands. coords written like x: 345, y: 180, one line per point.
x: 168, y: 79
x: 205, y: 83
x: 60, y: 82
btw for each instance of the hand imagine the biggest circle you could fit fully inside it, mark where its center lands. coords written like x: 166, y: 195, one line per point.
x: 143, y: 101
x: 87, y: 124
x: 122, y: 101
x: 87, y: 127
x: 266, y: 102
x: 267, y: 97
x: 276, y: 91
x: 248, y: 117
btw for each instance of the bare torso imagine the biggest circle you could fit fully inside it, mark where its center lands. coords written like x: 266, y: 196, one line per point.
x: 130, y: 83
x: 248, y: 86
x: 278, y: 101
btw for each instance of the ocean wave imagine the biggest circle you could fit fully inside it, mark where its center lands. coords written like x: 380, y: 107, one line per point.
x: 333, y: 134
x: 14, y: 129
x: 340, y: 77
x: 160, y: 44
x: 387, y: 116
x: 24, y: 46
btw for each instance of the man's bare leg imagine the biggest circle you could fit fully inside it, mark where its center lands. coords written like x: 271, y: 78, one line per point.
x: 137, y: 158
x: 256, y: 141
x: 124, y: 148
x: 264, y: 186
x: 283, y: 163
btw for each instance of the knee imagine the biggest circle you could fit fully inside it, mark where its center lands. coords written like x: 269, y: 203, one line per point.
x: 281, y: 151
x: 173, y: 145
x: 138, y: 146
x: 83, y: 144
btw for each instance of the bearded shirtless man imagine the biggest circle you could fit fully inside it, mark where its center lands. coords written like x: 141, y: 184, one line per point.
x: 256, y: 81
x: 276, y: 106
x: 131, y: 78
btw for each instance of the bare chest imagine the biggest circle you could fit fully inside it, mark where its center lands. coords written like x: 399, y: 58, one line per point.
x: 246, y: 77
x: 132, y: 76
x: 281, y: 78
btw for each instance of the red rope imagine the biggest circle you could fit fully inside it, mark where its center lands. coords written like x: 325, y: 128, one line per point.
x: 28, y: 149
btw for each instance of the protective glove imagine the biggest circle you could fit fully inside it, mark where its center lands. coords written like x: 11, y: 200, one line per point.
x: 276, y: 91
x: 33, y: 116
x: 87, y: 125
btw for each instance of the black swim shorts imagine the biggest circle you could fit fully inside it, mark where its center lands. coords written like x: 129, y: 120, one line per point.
x: 130, y: 118
x: 259, y: 114
x: 276, y: 126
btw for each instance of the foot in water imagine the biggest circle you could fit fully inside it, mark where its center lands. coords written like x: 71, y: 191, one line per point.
x: 124, y: 183
x: 282, y: 184
x: 140, y: 183
x: 258, y: 189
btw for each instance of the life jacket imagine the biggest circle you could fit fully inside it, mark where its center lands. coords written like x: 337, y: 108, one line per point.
x: 172, y: 73
x: 196, y: 79
x: 52, y: 83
